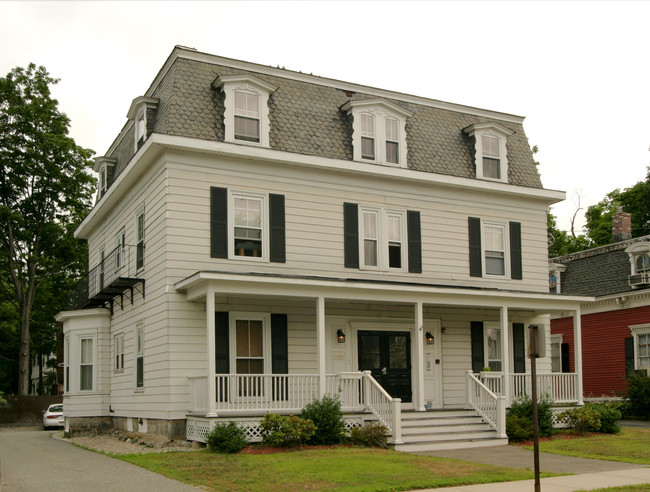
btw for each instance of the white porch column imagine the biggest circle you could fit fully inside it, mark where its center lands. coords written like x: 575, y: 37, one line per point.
x: 212, y: 368
x: 418, y: 401
x: 577, y: 353
x: 320, y: 336
x: 505, y: 357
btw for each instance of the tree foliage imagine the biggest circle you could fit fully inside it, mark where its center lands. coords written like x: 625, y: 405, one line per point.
x: 560, y: 242
x: 45, y: 191
x: 634, y: 200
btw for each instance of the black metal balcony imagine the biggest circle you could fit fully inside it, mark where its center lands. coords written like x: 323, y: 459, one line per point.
x: 109, y: 282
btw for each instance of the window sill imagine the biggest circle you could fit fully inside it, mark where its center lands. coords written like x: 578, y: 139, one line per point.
x: 138, y: 390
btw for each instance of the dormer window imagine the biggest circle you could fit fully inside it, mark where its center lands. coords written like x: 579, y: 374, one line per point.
x: 105, y: 168
x: 490, y: 150
x: 639, y: 253
x: 379, y: 134
x: 555, y: 271
x: 142, y: 112
x: 246, y: 115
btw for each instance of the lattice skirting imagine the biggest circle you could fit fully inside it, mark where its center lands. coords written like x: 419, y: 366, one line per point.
x: 199, y: 427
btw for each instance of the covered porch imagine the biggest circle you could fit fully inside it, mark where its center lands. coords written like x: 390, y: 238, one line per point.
x: 383, y: 347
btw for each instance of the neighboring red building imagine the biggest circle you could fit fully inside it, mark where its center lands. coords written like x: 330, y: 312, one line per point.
x: 616, y: 326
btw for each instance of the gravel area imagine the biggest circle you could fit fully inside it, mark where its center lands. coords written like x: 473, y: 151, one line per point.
x: 118, y: 442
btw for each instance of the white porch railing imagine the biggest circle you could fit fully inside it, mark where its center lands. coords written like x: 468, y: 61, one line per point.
x: 560, y: 387
x: 255, y: 394
x: 488, y: 405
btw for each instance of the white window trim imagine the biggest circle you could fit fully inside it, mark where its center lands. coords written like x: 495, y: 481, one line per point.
x: 556, y: 269
x: 245, y: 83
x: 66, y: 365
x: 493, y: 325
x: 479, y: 130
x: 637, y: 330
x: 634, y: 251
x: 101, y: 166
x: 382, y: 239
x: 120, y: 245
x: 265, y: 318
x: 506, y: 245
x: 557, y: 339
x: 94, y: 363
x: 139, y: 328
x: 380, y: 110
x: 232, y: 194
x: 118, y: 350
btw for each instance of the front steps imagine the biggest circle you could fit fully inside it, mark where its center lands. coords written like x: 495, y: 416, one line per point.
x: 445, y: 429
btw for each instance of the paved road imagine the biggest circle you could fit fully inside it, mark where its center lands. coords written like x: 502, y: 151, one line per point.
x: 31, y: 461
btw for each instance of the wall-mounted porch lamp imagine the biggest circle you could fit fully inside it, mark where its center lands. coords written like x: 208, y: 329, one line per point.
x: 429, y: 337
x: 340, y: 336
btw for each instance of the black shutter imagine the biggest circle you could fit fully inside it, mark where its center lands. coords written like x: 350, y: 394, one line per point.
x: 279, y: 355
x: 221, y: 352
x: 629, y: 356
x: 414, y: 241
x: 277, y: 232
x: 519, y: 347
x: 351, y: 234
x: 474, y: 226
x: 515, y: 251
x: 218, y: 222
x: 477, y: 346
x: 566, y: 360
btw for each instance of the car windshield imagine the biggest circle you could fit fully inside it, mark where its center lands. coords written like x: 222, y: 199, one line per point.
x: 55, y: 408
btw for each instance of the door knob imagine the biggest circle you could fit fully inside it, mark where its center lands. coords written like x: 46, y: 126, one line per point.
x: 383, y: 370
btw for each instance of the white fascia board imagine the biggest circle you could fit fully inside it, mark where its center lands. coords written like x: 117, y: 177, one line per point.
x: 196, y: 286
x: 64, y: 316
x: 158, y: 142
x: 191, y: 54
x: 361, y: 168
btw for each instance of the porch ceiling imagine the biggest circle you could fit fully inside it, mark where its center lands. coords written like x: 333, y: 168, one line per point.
x: 197, y: 286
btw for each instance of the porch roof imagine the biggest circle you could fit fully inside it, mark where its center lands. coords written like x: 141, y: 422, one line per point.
x: 197, y: 286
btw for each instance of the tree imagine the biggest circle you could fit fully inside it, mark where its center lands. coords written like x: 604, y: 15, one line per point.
x: 634, y: 200
x: 560, y: 242
x: 45, y: 188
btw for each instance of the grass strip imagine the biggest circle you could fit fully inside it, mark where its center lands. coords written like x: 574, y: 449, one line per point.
x: 623, y: 488
x: 629, y: 446
x: 348, y: 469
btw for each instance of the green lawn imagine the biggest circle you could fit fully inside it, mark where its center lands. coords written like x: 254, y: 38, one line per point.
x: 352, y: 469
x: 625, y: 488
x: 630, y: 446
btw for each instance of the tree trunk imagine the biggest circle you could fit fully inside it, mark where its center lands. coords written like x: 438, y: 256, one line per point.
x: 39, y: 389
x: 23, y: 361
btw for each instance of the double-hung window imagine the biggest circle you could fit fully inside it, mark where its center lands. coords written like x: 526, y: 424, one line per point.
x: 493, y: 349
x: 141, y: 128
x: 119, y: 353
x: 247, y: 116
x: 641, y: 335
x: 139, y: 357
x: 250, y: 351
x: 66, y: 358
x: 382, y: 234
x: 379, y: 131
x: 120, y: 242
x: 246, y: 108
x: 494, y: 237
x: 86, y: 364
x: 491, y: 161
x: 142, y: 113
x: 367, y: 136
x: 248, y: 227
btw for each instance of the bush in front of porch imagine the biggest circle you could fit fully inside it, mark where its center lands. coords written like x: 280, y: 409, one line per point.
x: 327, y: 416
x: 226, y: 438
x: 519, y: 421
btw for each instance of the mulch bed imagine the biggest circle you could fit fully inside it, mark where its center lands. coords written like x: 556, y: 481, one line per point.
x: 260, y: 449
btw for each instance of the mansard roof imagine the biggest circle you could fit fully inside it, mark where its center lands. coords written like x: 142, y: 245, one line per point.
x: 306, y: 117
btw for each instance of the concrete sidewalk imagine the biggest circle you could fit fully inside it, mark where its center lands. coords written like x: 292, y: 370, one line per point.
x: 586, y: 481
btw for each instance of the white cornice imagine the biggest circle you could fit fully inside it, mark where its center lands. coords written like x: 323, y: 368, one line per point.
x: 191, y: 54
x: 158, y: 142
x: 64, y: 316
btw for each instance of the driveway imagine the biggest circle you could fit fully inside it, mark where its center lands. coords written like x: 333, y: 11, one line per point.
x: 31, y: 461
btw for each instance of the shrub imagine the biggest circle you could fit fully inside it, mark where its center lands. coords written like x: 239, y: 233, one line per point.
x: 226, y: 438
x: 519, y: 428
x: 609, y: 416
x: 638, y: 395
x: 523, y: 407
x: 372, y: 434
x: 582, y: 420
x: 328, y: 419
x: 282, y: 430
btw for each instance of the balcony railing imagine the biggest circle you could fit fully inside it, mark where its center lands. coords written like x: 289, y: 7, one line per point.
x: 112, y: 278
x: 560, y: 387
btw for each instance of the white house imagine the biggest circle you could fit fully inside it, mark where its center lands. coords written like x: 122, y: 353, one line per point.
x: 263, y: 237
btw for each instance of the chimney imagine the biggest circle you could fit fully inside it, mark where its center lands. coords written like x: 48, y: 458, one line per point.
x: 621, y: 225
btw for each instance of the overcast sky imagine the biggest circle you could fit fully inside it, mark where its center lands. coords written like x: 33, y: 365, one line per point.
x: 577, y: 71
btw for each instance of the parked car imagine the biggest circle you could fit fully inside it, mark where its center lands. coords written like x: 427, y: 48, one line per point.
x: 53, y: 416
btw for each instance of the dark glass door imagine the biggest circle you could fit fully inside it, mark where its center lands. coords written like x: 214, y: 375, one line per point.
x: 387, y: 355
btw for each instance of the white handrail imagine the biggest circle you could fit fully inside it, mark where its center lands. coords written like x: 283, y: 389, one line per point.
x: 488, y: 405
x: 559, y: 387
x: 386, y: 408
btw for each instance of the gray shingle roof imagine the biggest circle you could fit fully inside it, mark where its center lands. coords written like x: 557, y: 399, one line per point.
x: 306, y: 118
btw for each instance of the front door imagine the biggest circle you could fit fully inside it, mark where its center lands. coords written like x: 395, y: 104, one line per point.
x: 387, y: 355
